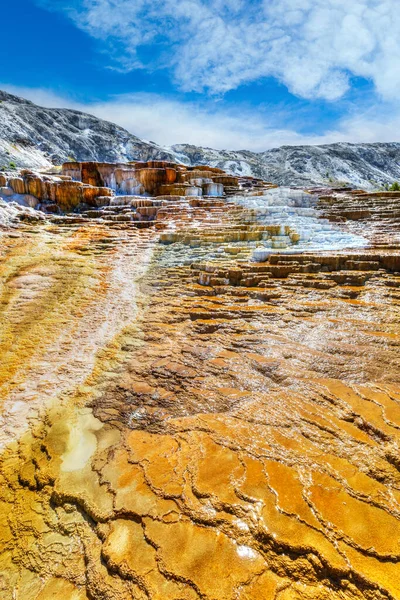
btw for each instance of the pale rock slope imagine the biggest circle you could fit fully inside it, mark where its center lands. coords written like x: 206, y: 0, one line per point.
x: 361, y: 165
x: 32, y: 136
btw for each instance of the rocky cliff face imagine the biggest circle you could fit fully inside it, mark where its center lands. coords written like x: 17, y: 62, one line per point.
x: 32, y: 136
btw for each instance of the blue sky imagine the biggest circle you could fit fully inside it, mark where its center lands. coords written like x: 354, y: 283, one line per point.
x: 222, y: 73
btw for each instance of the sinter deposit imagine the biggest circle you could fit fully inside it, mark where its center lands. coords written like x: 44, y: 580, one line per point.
x: 200, y: 387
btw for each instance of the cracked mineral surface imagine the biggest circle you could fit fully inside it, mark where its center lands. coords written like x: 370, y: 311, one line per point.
x: 180, y: 422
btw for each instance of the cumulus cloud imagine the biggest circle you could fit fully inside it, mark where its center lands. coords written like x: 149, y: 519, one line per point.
x: 314, y: 47
x: 168, y: 122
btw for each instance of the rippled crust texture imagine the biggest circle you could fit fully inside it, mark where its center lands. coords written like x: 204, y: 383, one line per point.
x: 215, y: 430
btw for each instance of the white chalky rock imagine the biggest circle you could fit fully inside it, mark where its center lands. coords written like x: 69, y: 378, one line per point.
x: 261, y: 255
x: 295, y: 209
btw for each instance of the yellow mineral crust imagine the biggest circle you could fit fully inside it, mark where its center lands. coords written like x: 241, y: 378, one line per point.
x: 213, y: 430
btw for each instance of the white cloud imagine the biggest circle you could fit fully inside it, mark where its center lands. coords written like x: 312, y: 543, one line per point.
x: 312, y: 46
x: 168, y: 122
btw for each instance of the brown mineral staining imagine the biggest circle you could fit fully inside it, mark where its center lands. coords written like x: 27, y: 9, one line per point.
x: 181, y: 422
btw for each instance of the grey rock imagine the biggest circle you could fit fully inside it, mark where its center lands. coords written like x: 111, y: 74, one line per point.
x: 32, y: 136
x: 359, y: 165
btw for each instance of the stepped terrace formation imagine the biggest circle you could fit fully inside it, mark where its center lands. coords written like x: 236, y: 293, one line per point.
x: 199, y: 387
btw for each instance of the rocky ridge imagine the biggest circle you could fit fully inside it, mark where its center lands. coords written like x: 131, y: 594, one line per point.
x: 361, y: 165
x: 32, y: 136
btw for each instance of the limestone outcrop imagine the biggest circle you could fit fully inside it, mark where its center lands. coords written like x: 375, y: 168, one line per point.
x: 50, y: 190
x: 376, y: 213
x: 120, y: 177
x: 133, y: 193
x: 155, y: 178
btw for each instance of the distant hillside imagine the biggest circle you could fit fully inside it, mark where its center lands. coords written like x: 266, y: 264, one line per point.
x: 361, y: 165
x: 33, y: 136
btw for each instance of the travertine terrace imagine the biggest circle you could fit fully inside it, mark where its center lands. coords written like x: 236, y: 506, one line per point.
x: 199, y: 385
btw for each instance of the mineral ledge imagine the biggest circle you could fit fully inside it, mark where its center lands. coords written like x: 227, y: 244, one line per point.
x: 200, y: 390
